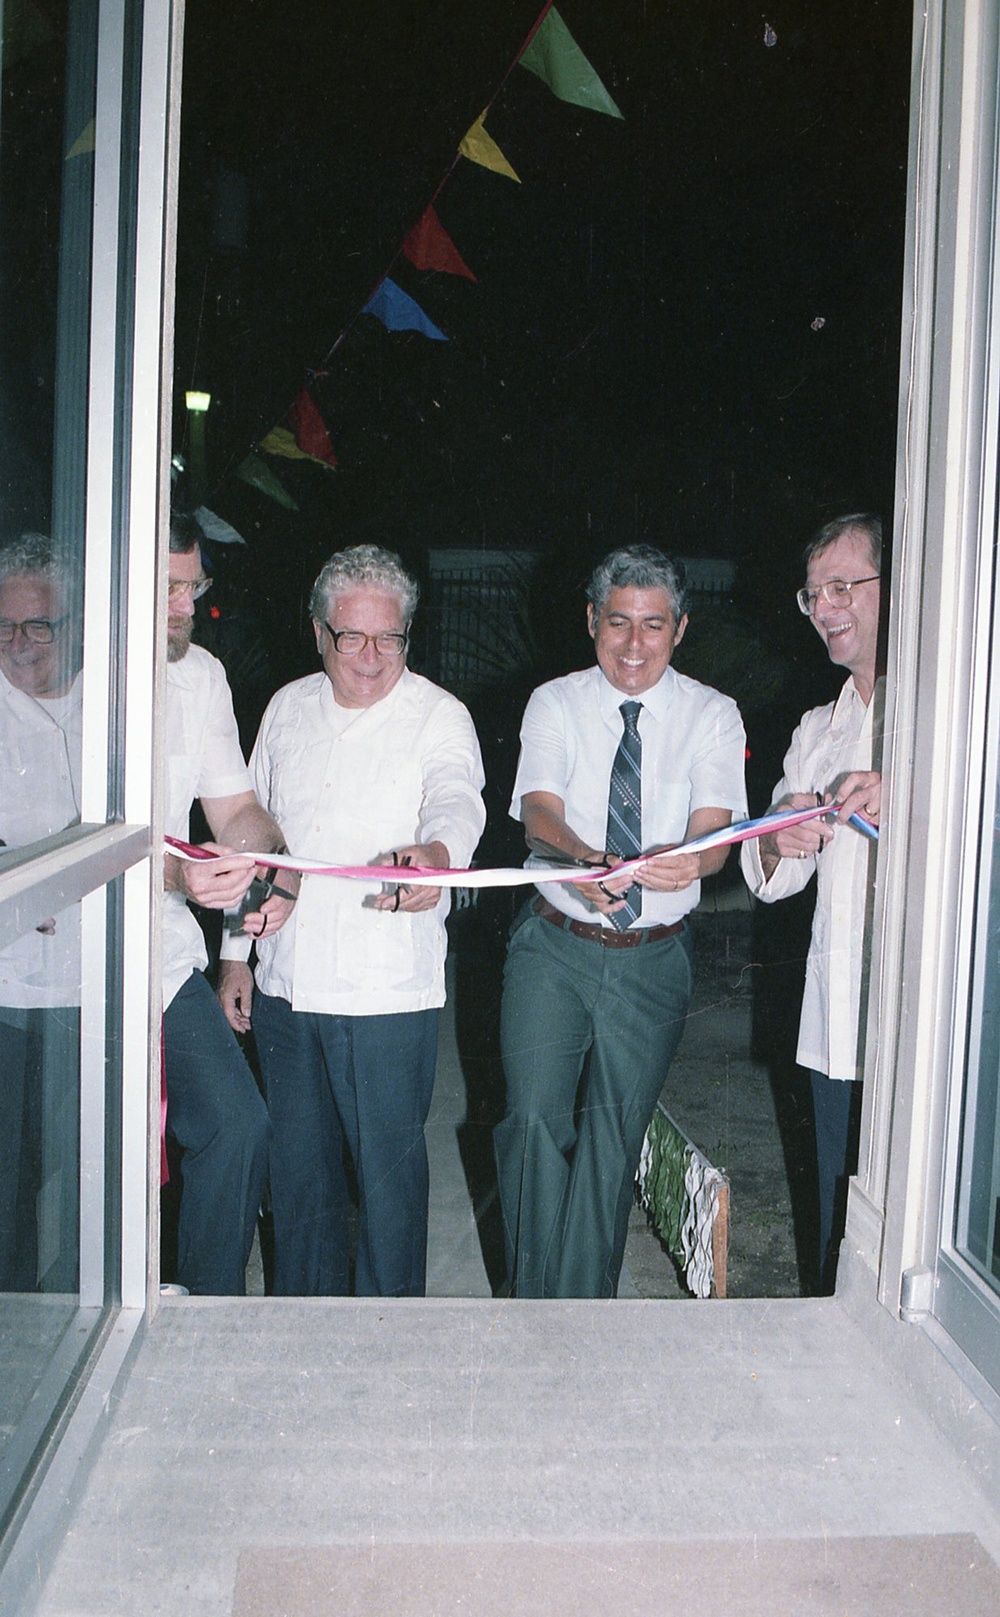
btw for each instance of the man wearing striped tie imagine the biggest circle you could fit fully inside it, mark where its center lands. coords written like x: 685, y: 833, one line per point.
x: 624, y: 758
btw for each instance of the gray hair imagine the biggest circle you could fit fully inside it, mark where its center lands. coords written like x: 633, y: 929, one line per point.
x: 31, y: 553
x: 865, y: 522
x: 364, y: 567
x: 639, y: 567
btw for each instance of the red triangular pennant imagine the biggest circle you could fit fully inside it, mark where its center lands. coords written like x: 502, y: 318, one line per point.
x: 310, y: 429
x: 428, y: 246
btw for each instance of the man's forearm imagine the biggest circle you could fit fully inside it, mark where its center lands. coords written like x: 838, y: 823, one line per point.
x: 251, y: 829
x: 770, y: 858
x: 543, y: 824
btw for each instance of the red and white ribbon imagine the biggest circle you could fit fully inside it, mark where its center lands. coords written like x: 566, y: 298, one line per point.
x: 504, y: 876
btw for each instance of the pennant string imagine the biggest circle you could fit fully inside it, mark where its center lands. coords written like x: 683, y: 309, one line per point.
x: 322, y: 368
x: 442, y: 182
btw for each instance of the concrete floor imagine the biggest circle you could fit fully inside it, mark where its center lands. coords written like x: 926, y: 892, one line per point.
x: 297, y: 1426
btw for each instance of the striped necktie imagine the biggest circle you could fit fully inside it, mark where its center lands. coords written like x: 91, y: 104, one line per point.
x: 625, y: 808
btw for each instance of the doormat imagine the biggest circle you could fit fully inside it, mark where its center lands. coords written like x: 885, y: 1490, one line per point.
x: 949, y: 1575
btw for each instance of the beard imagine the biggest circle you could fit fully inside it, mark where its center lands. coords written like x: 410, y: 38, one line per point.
x: 179, y: 641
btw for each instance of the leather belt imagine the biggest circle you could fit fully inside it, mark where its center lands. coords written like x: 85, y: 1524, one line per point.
x: 607, y: 936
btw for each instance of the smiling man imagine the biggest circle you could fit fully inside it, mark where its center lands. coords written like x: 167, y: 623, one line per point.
x: 363, y: 762
x: 830, y: 758
x: 624, y: 758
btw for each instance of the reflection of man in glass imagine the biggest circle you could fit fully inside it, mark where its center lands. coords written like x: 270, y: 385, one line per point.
x: 40, y: 972
x: 360, y: 759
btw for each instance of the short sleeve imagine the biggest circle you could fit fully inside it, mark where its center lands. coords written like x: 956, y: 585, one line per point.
x: 543, y: 763
x: 223, y: 772
x: 718, y: 767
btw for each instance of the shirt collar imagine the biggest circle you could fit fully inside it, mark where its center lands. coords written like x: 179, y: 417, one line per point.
x: 657, y: 699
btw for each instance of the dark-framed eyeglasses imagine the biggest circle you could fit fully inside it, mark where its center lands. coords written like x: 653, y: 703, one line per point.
x: 348, y: 642
x: 180, y: 586
x: 835, y: 592
x: 41, y: 631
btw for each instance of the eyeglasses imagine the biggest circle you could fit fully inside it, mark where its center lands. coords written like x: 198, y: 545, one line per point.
x: 180, y: 586
x: 42, y: 631
x: 348, y: 642
x: 835, y: 592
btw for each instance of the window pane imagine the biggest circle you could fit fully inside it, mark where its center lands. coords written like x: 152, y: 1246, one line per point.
x: 46, y: 200
x: 978, y: 1219
x: 39, y: 1107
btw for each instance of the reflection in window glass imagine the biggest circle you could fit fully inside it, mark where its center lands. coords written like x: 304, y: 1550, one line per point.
x: 978, y: 1235
x: 39, y: 1107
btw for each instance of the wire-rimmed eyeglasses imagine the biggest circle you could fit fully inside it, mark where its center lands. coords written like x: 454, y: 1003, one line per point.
x: 835, y: 592
x: 181, y: 586
x: 348, y: 642
x: 41, y: 631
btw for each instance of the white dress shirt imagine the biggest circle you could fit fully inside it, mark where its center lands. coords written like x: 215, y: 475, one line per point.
x: 204, y: 759
x: 693, y: 752
x: 348, y: 785
x: 40, y: 740
x: 829, y: 743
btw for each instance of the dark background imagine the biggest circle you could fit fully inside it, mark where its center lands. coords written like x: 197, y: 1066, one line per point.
x: 685, y: 328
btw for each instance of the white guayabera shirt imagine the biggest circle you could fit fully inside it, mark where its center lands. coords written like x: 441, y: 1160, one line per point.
x: 40, y: 794
x: 829, y: 743
x: 348, y: 785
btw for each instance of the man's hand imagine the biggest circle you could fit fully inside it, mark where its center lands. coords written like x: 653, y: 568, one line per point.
x: 608, y: 894
x: 860, y: 793
x: 794, y: 841
x: 274, y: 911
x: 235, y: 993
x: 667, y: 873
x: 216, y: 885
x: 414, y: 899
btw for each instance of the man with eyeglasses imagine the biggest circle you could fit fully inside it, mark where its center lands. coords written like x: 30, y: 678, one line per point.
x: 215, y: 1115
x: 830, y: 760
x: 40, y: 742
x: 363, y: 763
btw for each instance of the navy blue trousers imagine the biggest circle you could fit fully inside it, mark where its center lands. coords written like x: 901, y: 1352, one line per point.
x: 218, y: 1120
x: 360, y: 1084
x: 587, y: 1036
x: 837, y: 1112
x: 39, y: 1149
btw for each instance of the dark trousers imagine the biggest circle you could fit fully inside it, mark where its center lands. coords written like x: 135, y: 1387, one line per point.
x: 363, y: 1083
x: 587, y: 1037
x: 39, y: 1149
x: 837, y: 1112
x: 218, y: 1120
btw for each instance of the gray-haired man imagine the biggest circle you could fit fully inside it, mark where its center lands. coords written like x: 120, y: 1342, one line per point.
x: 40, y: 734
x: 362, y: 760
x: 622, y: 758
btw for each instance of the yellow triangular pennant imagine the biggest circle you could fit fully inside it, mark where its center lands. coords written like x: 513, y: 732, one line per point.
x: 279, y: 441
x: 84, y: 142
x: 481, y: 148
